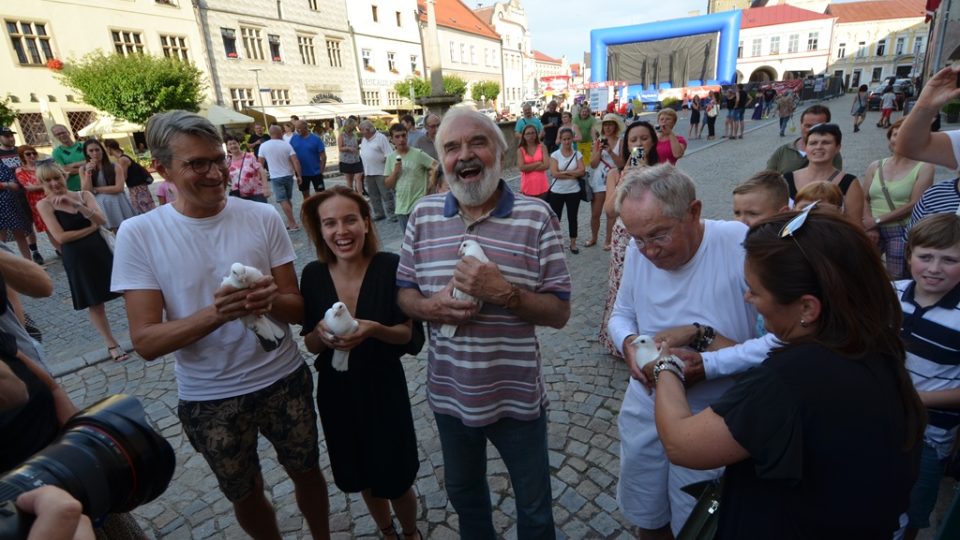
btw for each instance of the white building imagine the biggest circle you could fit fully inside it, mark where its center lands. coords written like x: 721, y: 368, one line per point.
x: 519, y: 67
x: 783, y: 42
x: 469, y: 48
x: 876, y: 40
x: 38, y: 31
x: 386, y: 35
x: 286, y: 53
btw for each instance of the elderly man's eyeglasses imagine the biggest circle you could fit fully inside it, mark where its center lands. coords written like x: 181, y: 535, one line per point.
x: 660, y: 240
x: 203, y: 165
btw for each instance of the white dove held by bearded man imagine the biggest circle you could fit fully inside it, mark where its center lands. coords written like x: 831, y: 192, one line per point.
x: 268, y: 333
x: 468, y: 248
x: 340, y: 323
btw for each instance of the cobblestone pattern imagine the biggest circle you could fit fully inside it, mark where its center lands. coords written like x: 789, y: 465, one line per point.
x: 585, y: 388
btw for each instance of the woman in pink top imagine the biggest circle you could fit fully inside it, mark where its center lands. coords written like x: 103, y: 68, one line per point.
x: 671, y: 146
x: 533, y: 162
x: 245, y: 179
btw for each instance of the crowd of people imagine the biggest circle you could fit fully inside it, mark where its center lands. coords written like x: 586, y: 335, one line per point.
x: 753, y: 345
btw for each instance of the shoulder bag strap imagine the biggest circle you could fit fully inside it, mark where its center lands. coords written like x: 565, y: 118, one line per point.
x: 883, y: 187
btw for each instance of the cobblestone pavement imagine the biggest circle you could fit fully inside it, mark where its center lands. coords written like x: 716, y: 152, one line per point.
x: 585, y: 386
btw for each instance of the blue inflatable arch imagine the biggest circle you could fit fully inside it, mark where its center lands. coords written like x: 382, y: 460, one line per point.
x: 727, y: 23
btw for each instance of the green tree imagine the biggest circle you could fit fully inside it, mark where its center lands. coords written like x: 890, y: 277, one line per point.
x: 7, y: 114
x: 452, y: 85
x: 485, y: 89
x: 137, y: 86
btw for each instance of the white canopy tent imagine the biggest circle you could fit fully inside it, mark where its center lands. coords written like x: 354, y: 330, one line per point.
x: 222, y: 116
x: 313, y: 111
x: 108, y: 125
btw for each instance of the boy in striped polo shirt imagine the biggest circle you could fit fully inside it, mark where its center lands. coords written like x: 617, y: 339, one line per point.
x: 486, y: 381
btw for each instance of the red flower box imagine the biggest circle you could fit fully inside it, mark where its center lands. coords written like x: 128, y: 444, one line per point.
x: 55, y: 64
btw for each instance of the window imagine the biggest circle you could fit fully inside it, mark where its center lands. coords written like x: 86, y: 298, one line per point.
x: 399, y: 21
x: 793, y: 43
x: 229, y: 36
x: 813, y: 41
x: 881, y: 47
x: 414, y: 65
x: 775, y: 45
x: 373, y: 10
x: 453, y: 52
x: 307, y: 54
x: 33, y: 130
x: 174, y: 47
x: 900, y: 44
x: 30, y: 41
x: 393, y: 99
x: 861, y: 49
x: 877, y: 74
x: 252, y: 44
x: 274, y: 41
x: 127, y: 42
x: 371, y: 98
x: 918, y: 45
x: 392, y: 62
x: 312, y: 4
x: 755, y: 47
x: 167, y: 2
x: 842, y: 50
x: 365, y: 57
x: 838, y: 73
x: 241, y: 98
x: 279, y: 96
x: 740, y: 50
x: 473, y: 55
x: 856, y: 77
x: 333, y: 53
x: 463, y: 53
x: 80, y: 119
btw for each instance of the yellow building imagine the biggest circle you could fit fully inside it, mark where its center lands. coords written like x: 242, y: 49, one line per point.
x: 39, y: 33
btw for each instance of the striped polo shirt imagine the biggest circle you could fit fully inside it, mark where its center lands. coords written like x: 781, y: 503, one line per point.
x: 942, y: 197
x: 932, y: 337
x: 491, y: 368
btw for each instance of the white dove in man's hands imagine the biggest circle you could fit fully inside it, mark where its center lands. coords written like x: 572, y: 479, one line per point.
x: 340, y: 323
x: 468, y: 248
x: 268, y: 333
x: 646, y: 350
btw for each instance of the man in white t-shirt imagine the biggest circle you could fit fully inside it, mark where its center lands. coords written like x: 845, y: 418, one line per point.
x: 281, y: 160
x: 683, y: 284
x: 169, y: 264
x: 374, y: 149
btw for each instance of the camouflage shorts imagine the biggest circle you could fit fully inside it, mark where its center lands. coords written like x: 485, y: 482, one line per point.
x: 225, y: 431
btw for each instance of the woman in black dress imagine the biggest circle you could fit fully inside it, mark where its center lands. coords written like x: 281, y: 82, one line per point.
x: 365, y: 411
x: 74, y: 219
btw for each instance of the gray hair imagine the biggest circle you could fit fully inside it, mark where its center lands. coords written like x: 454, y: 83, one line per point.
x: 366, y: 124
x: 163, y: 127
x: 455, y: 115
x: 427, y: 118
x: 668, y: 184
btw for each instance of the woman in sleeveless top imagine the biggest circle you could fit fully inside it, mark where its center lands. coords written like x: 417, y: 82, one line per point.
x: 605, y: 158
x: 247, y: 178
x: 74, y: 219
x: 348, y: 143
x: 138, y: 179
x: 892, y: 187
x: 823, y: 144
x: 105, y: 180
x: 533, y: 162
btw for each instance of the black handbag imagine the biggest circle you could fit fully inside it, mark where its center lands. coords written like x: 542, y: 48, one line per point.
x: 703, y: 520
x: 586, y: 192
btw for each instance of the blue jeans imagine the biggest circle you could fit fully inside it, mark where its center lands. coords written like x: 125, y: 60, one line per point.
x: 923, y: 497
x: 784, y: 120
x: 523, y: 447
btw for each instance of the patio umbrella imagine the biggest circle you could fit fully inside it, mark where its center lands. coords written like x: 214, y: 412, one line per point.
x: 221, y: 116
x: 106, y: 125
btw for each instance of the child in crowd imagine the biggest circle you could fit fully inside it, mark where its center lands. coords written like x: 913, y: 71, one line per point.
x: 827, y: 193
x: 166, y: 193
x: 931, y: 331
x: 759, y: 197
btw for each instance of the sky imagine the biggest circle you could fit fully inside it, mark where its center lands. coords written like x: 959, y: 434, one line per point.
x: 563, y: 26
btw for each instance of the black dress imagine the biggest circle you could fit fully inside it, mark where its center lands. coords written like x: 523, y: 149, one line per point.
x: 88, y: 263
x: 825, y: 435
x: 843, y: 184
x: 364, y: 411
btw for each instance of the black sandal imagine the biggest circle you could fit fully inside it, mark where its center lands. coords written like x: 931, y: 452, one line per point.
x: 416, y: 533
x: 390, y: 530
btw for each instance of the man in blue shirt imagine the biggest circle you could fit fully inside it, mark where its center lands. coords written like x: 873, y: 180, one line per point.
x: 528, y: 119
x: 312, y: 156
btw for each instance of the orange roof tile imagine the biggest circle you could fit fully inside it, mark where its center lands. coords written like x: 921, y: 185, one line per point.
x: 877, y: 10
x: 540, y: 57
x: 456, y: 15
x: 485, y: 14
x: 769, y: 16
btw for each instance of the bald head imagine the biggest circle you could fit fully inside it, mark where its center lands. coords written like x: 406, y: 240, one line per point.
x: 301, y: 128
x: 276, y: 132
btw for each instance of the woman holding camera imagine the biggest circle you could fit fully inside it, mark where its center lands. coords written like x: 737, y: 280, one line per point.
x: 821, y: 440
x: 606, y: 157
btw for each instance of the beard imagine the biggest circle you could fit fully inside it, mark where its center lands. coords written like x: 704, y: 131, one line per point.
x: 476, y: 192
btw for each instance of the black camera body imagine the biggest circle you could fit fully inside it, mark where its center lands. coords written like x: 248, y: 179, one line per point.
x: 108, y: 457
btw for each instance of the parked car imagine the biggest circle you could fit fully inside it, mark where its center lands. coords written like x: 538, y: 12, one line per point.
x: 902, y: 88
x: 489, y: 113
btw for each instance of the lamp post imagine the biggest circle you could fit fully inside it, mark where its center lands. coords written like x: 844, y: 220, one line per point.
x: 263, y: 115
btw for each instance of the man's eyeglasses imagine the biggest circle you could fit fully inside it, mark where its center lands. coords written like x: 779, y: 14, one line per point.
x: 660, y: 240
x: 203, y: 165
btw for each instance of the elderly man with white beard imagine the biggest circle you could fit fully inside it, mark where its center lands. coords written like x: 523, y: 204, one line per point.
x: 486, y: 382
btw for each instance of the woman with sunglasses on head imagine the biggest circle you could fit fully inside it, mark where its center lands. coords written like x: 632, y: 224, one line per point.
x: 27, y: 178
x: 246, y: 174
x: 606, y: 157
x: 364, y: 410
x: 74, y: 219
x: 640, y: 147
x: 821, y: 440
x: 822, y: 145
x: 106, y: 181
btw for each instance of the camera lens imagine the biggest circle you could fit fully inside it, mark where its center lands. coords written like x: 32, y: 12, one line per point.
x: 108, y: 458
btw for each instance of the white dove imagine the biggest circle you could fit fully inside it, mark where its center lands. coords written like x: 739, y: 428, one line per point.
x: 268, y: 333
x: 341, y: 323
x: 646, y: 350
x: 468, y: 248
